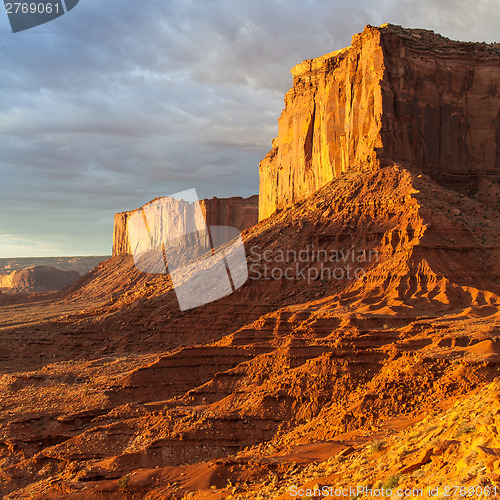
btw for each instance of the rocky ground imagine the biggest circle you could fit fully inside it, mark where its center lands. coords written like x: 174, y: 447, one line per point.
x: 109, y: 391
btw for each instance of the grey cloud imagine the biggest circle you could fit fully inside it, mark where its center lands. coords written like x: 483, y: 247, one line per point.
x: 117, y: 102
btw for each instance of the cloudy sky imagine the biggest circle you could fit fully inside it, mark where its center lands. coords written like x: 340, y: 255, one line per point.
x: 120, y: 101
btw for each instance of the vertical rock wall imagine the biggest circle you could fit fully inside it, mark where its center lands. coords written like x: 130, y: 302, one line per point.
x: 394, y: 95
x: 331, y: 123
x: 238, y: 212
x: 441, y: 101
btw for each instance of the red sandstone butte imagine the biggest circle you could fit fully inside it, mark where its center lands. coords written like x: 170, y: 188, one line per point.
x: 407, y: 96
x: 238, y: 212
x: 38, y: 279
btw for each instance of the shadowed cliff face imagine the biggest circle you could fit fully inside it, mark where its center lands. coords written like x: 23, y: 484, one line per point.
x: 395, y: 95
x: 441, y: 102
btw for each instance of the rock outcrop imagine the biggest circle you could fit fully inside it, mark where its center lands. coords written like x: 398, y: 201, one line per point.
x: 80, y: 264
x: 38, y: 279
x: 396, y: 95
x: 241, y: 213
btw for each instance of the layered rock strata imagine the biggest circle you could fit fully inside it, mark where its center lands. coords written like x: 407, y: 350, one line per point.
x: 38, y: 279
x: 238, y: 212
x: 396, y: 95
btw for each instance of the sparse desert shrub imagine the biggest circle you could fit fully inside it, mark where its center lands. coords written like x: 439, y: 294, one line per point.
x: 377, y: 445
x: 483, y: 480
x: 123, y: 483
x: 418, y: 473
x: 465, y: 429
x: 392, y: 482
x: 430, y: 428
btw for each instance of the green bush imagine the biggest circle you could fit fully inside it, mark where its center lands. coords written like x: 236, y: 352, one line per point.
x: 123, y: 483
x: 377, y: 445
x: 392, y: 482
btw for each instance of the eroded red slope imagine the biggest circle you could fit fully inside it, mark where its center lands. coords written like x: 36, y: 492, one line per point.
x: 128, y: 382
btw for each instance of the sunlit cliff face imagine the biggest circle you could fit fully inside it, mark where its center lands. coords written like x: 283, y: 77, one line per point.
x: 375, y: 103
